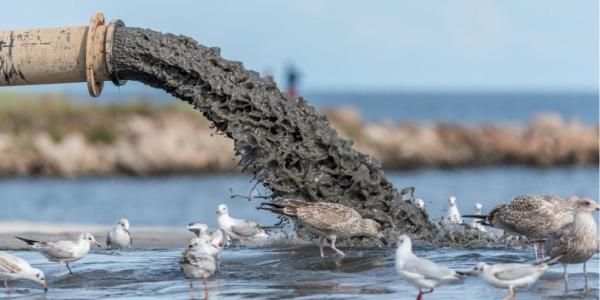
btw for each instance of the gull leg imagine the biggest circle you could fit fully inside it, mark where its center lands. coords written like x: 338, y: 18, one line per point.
x: 566, y: 278
x: 321, y: 239
x: 205, y: 288
x: 192, y: 296
x: 8, y: 290
x: 586, y: 288
x: 420, y: 295
x: 511, y: 294
x: 336, y: 249
x: 535, y: 250
x: 542, y: 252
x: 59, y: 267
x: 69, y: 268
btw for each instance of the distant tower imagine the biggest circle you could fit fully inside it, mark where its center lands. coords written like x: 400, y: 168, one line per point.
x: 292, y: 81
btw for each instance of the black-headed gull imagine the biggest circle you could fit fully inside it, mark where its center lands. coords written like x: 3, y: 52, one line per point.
x: 197, y: 263
x: 238, y: 229
x: 119, y: 237
x: 420, y: 272
x: 16, y: 268
x: 64, y: 251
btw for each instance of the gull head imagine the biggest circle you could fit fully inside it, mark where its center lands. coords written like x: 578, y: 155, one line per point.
x: 404, y: 244
x: 478, y: 206
x: 88, y: 237
x: 452, y: 201
x: 197, y: 228
x: 38, y: 276
x: 420, y: 203
x: 479, y: 268
x: 197, y: 242
x: 222, y: 210
x: 373, y: 229
x: 586, y: 205
x: 124, y: 223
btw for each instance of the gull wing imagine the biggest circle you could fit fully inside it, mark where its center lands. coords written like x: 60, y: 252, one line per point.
x: 8, y: 265
x: 245, y: 228
x: 327, y: 216
x: 428, y: 269
x: 129, y: 235
x: 516, y: 271
x: 108, y: 239
x: 199, y: 260
x: 60, y: 249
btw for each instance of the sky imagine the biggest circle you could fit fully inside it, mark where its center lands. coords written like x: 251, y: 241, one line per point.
x: 544, y: 45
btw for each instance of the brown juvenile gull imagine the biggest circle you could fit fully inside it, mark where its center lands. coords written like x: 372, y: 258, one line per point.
x: 577, y: 240
x: 328, y: 220
x: 533, y: 216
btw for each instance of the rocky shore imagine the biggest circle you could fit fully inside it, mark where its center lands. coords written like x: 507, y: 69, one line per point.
x: 56, y: 137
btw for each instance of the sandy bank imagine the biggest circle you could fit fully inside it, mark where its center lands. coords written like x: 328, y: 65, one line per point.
x: 148, y: 237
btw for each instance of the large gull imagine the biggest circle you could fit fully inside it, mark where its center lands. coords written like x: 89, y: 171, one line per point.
x: 453, y: 214
x: 533, y: 216
x: 328, y: 220
x: 577, y: 240
x: 15, y: 268
x: 511, y: 276
x: 119, y: 237
x: 420, y: 272
x: 64, y: 251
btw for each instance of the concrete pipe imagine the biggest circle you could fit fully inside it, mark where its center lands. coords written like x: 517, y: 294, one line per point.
x: 59, y: 55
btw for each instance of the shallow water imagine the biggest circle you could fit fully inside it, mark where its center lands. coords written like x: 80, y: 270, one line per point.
x: 174, y: 201
x: 279, y: 272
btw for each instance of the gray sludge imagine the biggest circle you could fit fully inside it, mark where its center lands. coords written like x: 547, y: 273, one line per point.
x: 287, y: 144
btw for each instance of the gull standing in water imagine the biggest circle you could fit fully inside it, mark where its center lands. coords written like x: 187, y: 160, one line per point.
x: 421, y: 273
x: 577, y: 240
x: 238, y: 229
x: 533, y: 216
x: 328, y: 220
x: 511, y: 276
x: 119, y: 237
x: 15, y: 268
x: 64, y: 251
x: 217, y: 237
x: 197, y: 263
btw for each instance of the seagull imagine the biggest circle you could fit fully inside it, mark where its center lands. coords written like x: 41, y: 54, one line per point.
x: 511, y: 276
x: 577, y: 240
x: 14, y: 268
x: 119, y: 237
x: 216, y: 237
x: 407, y: 194
x: 421, y: 273
x: 64, y: 251
x: 475, y: 224
x: 197, y: 263
x: 328, y: 220
x: 453, y: 215
x: 533, y: 216
x: 419, y: 203
x: 238, y: 229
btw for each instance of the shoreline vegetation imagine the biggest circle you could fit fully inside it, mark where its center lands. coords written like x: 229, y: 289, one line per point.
x: 50, y: 135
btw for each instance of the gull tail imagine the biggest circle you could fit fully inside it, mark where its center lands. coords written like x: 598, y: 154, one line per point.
x: 28, y: 241
x: 278, y: 209
x: 475, y: 216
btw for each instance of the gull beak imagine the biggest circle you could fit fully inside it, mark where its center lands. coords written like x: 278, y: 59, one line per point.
x: 97, y: 244
x: 383, y: 240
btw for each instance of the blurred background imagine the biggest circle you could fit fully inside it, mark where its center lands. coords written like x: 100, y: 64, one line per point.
x: 484, y: 100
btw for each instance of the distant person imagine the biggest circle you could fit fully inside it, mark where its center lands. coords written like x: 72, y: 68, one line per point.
x: 292, y: 81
